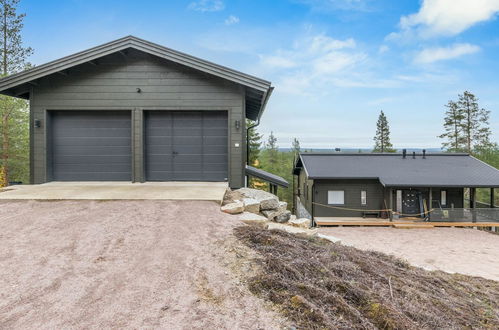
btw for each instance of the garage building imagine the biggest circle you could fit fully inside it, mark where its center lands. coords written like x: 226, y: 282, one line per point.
x: 132, y: 110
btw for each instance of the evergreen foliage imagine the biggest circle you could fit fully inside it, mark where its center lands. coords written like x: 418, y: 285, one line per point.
x: 466, y: 125
x: 382, y: 138
x: 255, y: 143
x: 14, y: 113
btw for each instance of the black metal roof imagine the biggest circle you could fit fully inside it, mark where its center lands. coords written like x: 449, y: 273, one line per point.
x: 392, y: 170
x: 266, y: 176
x: 257, y: 90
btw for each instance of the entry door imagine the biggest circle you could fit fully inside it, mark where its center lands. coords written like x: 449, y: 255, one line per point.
x: 186, y: 145
x: 410, y: 202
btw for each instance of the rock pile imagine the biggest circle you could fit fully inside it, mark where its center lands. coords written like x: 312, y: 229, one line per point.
x: 260, y: 206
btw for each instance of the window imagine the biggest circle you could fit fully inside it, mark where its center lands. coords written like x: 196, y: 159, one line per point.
x: 363, y: 197
x: 336, y: 197
x: 443, y: 197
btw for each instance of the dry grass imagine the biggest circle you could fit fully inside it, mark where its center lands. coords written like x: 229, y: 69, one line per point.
x: 321, y: 285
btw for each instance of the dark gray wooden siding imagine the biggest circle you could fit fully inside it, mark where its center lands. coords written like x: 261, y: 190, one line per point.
x: 111, y: 84
x: 352, y: 189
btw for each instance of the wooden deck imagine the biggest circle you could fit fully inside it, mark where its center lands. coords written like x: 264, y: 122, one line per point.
x: 400, y: 223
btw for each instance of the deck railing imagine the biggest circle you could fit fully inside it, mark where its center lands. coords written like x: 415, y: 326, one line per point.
x: 465, y: 215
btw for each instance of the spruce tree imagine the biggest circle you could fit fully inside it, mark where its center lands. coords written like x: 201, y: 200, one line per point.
x: 14, y: 113
x: 453, y: 128
x: 255, y: 144
x: 382, y: 138
x: 475, y: 125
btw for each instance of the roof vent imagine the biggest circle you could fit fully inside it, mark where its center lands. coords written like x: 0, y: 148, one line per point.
x: 413, y: 155
x: 424, y: 153
x: 404, y: 153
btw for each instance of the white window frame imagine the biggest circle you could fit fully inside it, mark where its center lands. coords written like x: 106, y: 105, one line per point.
x: 340, y: 197
x: 363, y: 197
x: 443, y: 197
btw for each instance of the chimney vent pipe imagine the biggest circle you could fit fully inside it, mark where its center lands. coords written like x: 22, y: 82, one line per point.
x: 424, y: 153
x: 404, y: 153
x: 413, y: 155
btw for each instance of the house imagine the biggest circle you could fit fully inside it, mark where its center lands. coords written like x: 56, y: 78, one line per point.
x: 132, y: 110
x: 434, y: 186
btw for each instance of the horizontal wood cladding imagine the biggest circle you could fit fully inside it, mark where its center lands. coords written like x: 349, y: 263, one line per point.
x: 112, y: 84
x: 352, y: 195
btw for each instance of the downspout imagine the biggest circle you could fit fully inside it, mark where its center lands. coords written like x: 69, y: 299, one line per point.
x: 262, y: 108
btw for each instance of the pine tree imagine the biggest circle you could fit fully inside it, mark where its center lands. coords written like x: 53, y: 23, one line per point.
x: 13, y: 112
x: 255, y: 144
x: 475, y: 125
x: 382, y: 138
x: 453, y: 128
x: 296, y: 147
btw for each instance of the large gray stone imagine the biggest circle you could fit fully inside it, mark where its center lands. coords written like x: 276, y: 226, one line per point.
x: 249, y: 218
x: 283, y: 217
x: 233, y: 208
x: 267, y: 200
x: 302, y: 222
x: 283, y: 206
x: 251, y: 205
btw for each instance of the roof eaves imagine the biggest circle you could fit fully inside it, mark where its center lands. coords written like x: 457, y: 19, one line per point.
x: 140, y: 44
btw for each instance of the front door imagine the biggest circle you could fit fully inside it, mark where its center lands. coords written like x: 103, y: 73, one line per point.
x: 410, y: 202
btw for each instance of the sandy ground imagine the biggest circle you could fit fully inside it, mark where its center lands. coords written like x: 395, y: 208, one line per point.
x: 456, y: 250
x: 122, y: 264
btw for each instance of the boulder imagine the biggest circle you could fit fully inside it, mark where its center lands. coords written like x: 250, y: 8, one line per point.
x: 267, y: 200
x: 233, y: 208
x: 283, y: 217
x: 329, y: 238
x: 249, y: 218
x: 302, y: 222
x: 251, y: 205
x: 283, y: 206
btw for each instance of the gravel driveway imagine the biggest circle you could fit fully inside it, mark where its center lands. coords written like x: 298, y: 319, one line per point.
x: 457, y: 250
x: 121, y: 264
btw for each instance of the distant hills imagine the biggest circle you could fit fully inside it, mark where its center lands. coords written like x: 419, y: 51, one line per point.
x: 361, y: 150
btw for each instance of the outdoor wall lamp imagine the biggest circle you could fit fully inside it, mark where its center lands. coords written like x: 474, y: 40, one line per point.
x: 38, y: 123
x: 238, y: 124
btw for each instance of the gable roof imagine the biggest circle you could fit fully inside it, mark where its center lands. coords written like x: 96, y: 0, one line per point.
x: 392, y: 170
x: 257, y: 90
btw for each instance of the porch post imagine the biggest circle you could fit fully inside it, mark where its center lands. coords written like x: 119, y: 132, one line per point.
x: 492, y: 199
x: 473, y: 203
x: 390, y: 202
x: 430, y: 197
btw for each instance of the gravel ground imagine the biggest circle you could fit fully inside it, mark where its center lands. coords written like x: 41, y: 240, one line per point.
x: 122, y: 264
x: 457, y: 250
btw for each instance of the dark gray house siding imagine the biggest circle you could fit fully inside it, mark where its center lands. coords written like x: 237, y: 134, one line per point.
x: 135, y: 78
x: 112, y: 85
x: 352, y: 194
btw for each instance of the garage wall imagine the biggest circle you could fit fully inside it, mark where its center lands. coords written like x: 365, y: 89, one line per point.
x: 111, y: 84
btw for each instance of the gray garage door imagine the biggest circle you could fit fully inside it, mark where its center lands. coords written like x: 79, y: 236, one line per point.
x: 186, y: 145
x: 91, y: 146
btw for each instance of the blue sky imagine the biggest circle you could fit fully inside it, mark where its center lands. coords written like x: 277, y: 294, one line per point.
x: 334, y: 63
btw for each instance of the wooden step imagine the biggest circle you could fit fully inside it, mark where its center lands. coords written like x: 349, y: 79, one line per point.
x: 413, y: 226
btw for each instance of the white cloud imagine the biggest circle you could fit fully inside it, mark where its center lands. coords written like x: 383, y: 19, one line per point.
x: 383, y: 49
x: 315, y: 62
x: 447, y: 17
x: 232, y: 20
x: 431, y: 55
x: 207, y: 5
